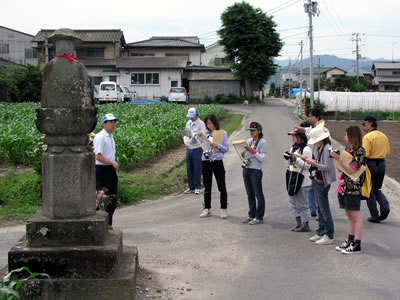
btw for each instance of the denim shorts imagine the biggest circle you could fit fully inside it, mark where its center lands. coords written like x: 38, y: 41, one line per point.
x: 349, y: 202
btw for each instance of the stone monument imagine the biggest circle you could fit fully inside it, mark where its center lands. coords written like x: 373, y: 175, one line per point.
x: 67, y: 239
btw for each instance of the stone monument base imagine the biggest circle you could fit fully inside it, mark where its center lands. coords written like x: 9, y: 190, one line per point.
x: 122, y: 285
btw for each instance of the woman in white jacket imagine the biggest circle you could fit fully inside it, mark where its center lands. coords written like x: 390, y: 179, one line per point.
x: 299, y: 202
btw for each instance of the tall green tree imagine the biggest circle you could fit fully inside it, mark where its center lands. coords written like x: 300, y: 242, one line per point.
x: 251, y: 41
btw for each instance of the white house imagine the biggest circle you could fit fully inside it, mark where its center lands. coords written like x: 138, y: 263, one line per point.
x: 17, y: 46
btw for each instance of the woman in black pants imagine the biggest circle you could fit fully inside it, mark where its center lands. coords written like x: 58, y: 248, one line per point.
x: 213, y: 164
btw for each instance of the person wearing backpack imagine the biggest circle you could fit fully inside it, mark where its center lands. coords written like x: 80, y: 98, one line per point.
x: 299, y: 201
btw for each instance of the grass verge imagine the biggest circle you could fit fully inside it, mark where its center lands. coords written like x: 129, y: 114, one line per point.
x: 162, y: 175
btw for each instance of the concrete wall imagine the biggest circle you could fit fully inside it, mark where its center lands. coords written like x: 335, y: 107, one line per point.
x: 142, y: 90
x: 199, y: 89
x: 17, y: 43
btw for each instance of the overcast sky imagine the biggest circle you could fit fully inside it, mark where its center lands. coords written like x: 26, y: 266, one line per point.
x: 376, y: 21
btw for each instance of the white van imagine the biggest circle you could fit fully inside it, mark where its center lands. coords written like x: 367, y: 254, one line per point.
x: 109, y: 92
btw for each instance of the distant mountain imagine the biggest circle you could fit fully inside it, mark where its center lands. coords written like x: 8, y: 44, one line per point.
x: 332, y: 61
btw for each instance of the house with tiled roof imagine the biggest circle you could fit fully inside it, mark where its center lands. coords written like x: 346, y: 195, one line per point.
x: 386, y: 76
x: 162, y: 46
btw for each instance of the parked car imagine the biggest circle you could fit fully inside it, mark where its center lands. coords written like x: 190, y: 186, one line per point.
x: 126, y: 93
x: 177, y: 94
x: 109, y: 92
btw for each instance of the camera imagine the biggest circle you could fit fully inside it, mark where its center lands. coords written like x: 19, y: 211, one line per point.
x: 313, y: 172
x: 333, y: 150
x: 287, y: 155
x: 245, y: 163
x: 207, y: 154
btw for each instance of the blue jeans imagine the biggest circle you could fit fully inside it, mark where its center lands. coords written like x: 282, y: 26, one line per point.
x: 312, y: 203
x: 253, y: 183
x: 193, y: 165
x: 377, y: 169
x: 324, y: 211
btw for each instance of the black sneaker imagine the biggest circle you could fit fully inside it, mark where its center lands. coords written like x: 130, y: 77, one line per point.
x: 384, y: 214
x: 352, y: 249
x: 343, y: 246
x: 313, y: 213
x: 374, y: 219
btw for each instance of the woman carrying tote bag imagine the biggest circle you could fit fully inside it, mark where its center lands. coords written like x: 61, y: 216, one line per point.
x: 299, y: 201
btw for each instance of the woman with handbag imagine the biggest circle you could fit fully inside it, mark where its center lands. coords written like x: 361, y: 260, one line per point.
x: 349, y: 191
x: 325, y: 174
x: 298, y: 192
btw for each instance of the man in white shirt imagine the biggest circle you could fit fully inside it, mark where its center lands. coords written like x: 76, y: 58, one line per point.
x: 194, y: 151
x: 106, y: 165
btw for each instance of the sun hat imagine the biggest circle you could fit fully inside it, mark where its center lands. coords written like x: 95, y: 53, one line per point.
x: 192, y: 112
x: 255, y: 126
x: 109, y: 117
x: 317, y: 134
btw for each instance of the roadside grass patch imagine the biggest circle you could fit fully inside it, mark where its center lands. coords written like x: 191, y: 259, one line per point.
x: 20, y: 196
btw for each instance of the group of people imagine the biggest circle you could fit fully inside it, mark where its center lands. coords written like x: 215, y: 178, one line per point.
x: 204, y: 163
x: 312, y: 156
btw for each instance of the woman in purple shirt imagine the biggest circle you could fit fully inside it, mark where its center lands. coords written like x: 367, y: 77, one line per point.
x: 213, y: 164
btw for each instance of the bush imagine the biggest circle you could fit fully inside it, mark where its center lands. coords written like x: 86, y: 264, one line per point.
x: 22, y: 85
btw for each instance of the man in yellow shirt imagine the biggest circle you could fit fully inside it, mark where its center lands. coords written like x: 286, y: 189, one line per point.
x: 377, y: 148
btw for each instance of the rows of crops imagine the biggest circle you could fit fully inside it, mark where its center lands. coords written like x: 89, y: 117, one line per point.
x: 142, y: 132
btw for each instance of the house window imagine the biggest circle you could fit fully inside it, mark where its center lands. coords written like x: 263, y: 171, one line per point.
x: 90, y: 53
x: 174, y: 83
x: 4, y: 49
x: 145, y: 78
x: 177, y: 54
x: 396, y: 73
x: 113, y: 78
x: 31, y: 53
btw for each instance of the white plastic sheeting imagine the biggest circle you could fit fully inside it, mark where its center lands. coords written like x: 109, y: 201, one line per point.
x: 345, y: 101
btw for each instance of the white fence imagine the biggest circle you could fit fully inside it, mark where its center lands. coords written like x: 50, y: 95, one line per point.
x: 346, y: 101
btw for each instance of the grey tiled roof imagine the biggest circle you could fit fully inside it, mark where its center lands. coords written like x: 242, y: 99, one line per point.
x: 167, y: 42
x: 168, y: 62
x: 380, y: 79
x: 207, y: 69
x: 111, y: 35
x: 99, y: 62
x: 321, y: 70
x: 386, y: 65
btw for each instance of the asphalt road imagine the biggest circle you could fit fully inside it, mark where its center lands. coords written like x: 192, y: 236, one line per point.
x: 211, y: 258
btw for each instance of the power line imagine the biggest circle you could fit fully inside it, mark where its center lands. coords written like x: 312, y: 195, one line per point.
x: 285, y: 7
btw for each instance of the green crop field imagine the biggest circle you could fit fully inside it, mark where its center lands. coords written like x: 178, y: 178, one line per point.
x: 142, y: 132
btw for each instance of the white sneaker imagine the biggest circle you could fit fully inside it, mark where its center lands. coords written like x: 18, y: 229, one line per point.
x: 197, y: 191
x: 224, y: 214
x: 325, y: 241
x: 188, y: 191
x: 315, y: 238
x: 205, y: 213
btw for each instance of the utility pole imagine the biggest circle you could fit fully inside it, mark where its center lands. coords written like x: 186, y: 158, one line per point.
x: 301, y: 68
x: 358, y: 56
x: 290, y: 79
x: 319, y: 76
x: 311, y: 8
